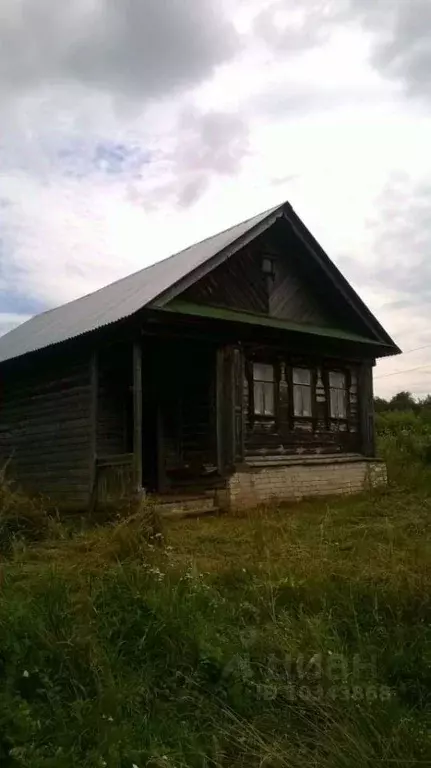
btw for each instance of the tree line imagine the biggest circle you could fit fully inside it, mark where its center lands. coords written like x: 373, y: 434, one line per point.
x: 402, y: 401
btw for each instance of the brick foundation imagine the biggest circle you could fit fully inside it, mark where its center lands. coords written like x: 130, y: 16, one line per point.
x: 266, y: 481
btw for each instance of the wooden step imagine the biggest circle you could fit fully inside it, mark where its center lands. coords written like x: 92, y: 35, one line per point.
x: 184, y: 505
x: 186, y: 514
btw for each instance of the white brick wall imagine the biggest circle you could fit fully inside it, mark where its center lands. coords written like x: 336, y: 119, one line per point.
x: 253, y: 486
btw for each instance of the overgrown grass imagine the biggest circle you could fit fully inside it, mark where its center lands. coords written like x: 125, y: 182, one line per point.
x: 292, y: 636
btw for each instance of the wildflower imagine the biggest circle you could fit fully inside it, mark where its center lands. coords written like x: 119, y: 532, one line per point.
x: 26, y: 673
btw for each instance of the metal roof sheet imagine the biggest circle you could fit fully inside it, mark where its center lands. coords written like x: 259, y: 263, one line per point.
x: 121, y: 299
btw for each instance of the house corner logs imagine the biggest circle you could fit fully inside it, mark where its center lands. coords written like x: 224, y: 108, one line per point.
x: 229, y: 404
x: 366, y: 409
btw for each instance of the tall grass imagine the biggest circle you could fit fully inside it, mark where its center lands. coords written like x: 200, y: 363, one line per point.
x: 291, y: 636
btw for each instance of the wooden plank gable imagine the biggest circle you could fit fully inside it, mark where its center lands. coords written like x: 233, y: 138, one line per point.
x: 244, y: 283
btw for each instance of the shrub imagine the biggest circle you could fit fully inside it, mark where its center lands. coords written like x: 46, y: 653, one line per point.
x: 404, y: 441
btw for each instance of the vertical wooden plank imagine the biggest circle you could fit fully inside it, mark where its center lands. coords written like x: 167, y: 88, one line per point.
x: 160, y: 447
x: 238, y: 409
x: 220, y: 409
x: 137, y: 415
x: 228, y: 407
x: 232, y: 406
x: 283, y: 398
x: 94, y: 390
x: 366, y: 409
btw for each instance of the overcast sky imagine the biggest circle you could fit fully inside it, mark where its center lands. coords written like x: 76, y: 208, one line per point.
x: 130, y: 128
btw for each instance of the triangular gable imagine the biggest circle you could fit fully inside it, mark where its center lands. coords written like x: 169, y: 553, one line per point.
x: 308, y: 288
x: 284, y: 292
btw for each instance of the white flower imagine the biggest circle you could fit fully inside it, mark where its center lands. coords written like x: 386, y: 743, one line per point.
x: 25, y: 673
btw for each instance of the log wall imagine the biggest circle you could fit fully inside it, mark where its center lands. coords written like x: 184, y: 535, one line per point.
x: 45, y: 411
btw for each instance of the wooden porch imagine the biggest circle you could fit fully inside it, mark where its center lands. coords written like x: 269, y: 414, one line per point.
x: 156, y: 424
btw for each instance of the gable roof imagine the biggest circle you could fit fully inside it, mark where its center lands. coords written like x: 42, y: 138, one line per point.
x: 155, y: 285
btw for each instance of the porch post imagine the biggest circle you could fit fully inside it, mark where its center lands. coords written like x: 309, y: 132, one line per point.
x: 137, y: 416
x: 94, y: 391
x: 220, y: 409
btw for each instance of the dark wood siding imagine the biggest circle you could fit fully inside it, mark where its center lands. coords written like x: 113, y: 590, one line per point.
x: 291, y: 297
x: 241, y: 284
x: 45, y: 413
x: 114, y: 407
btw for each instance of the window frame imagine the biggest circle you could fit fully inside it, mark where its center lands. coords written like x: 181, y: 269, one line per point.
x: 311, y: 387
x: 347, y: 379
x: 264, y: 417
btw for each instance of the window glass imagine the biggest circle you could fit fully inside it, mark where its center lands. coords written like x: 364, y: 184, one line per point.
x: 301, y: 376
x: 263, y: 389
x: 337, y: 395
x: 302, y: 400
x: 262, y: 372
x: 337, y: 379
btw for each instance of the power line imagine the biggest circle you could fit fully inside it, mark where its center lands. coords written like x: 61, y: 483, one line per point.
x: 408, y: 370
x: 404, y: 370
x: 416, y: 349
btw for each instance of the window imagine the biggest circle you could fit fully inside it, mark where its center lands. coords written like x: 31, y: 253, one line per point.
x: 263, y: 389
x: 302, y: 401
x: 338, y: 395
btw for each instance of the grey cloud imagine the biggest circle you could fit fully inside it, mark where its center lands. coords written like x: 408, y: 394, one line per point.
x: 207, y: 145
x: 400, y: 31
x: 402, y: 40
x: 398, y: 304
x: 216, y: 140
x: 403, y: 241
x: 291, y: 28
x: 142, y: 48
x: 298, y: 100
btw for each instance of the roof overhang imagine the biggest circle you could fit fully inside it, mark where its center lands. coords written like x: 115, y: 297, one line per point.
x: 370, y: 346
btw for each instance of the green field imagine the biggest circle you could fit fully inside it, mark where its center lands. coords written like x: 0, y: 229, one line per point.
x: 293, y: 636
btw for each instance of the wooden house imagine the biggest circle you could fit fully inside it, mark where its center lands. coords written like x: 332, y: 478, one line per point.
x: 233, y: 372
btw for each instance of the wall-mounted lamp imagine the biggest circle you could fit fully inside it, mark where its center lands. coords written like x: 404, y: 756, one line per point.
x: 268, y: 267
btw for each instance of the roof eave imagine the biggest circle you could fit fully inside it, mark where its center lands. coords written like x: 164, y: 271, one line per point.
x: 338, y: 279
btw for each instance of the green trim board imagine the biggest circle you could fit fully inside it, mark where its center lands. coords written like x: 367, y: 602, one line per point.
x: 232, y: 315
